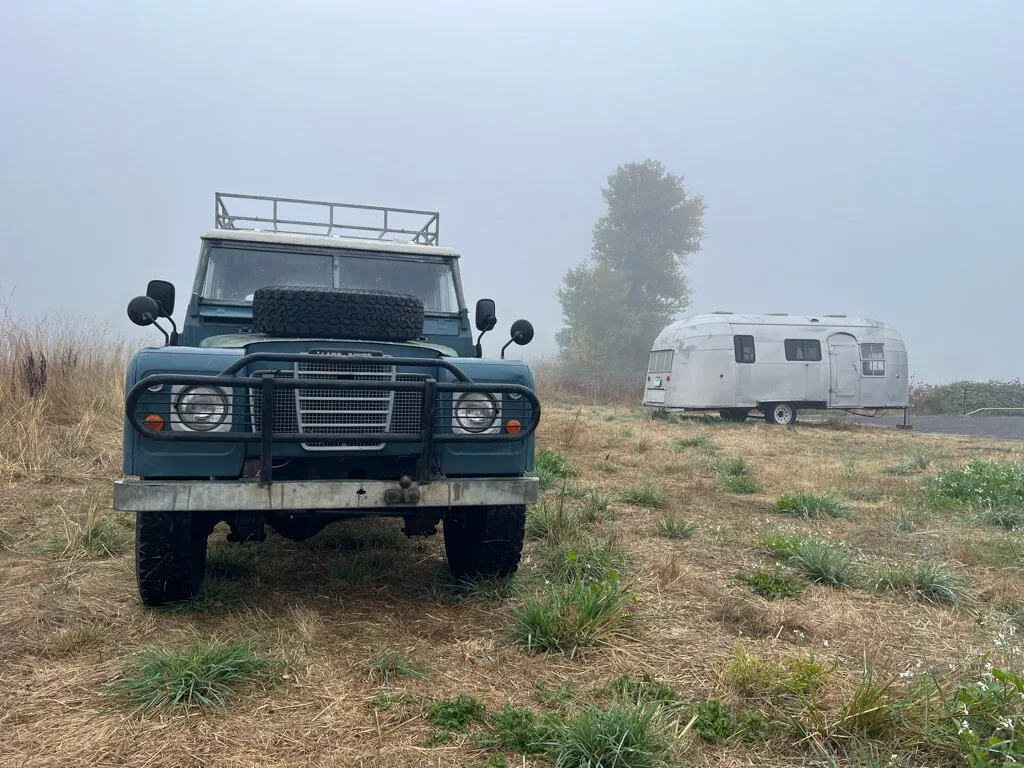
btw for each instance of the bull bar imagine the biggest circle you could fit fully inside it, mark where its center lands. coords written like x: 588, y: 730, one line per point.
x: 263, y: 388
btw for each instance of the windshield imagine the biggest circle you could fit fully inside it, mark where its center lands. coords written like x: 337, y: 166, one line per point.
x: 234, y: 274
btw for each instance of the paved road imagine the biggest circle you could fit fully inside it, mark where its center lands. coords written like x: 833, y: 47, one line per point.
x: 999, y: 427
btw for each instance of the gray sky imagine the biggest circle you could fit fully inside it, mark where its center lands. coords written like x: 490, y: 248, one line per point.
x: 862, y: 157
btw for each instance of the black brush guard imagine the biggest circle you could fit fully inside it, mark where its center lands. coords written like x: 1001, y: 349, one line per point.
x: 517, y: 402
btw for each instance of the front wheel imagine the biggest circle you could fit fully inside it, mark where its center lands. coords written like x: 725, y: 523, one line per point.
x: 170, y: 555
x: 782, y: 414
x: 483, y: 542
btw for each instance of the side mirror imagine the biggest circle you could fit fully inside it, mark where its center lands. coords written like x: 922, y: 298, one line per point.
x: 162, y: 292
x: 486, y: 318
x: 143, y: 310
x: 522, y: 332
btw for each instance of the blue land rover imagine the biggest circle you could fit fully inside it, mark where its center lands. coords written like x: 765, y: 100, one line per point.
x: 326, y: 369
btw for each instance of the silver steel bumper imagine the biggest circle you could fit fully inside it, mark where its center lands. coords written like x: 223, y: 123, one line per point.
x: 226, y: 495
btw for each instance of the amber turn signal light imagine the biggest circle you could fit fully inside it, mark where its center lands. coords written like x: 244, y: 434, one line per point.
x: 154, y: 421
x: 513, y: 427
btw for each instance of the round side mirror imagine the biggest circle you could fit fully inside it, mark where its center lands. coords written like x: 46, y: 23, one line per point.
x: 522, y: 332
x: 142, y: 310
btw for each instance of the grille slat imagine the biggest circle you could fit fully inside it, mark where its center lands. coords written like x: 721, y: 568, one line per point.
x: 339, y: 412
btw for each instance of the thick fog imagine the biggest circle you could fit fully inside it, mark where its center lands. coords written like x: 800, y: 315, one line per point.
x: 863, y: 158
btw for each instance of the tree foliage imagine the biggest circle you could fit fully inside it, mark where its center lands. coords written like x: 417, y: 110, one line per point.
x: 615, y: 303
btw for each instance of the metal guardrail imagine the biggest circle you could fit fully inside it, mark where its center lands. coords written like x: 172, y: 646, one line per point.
x: 325, y: 218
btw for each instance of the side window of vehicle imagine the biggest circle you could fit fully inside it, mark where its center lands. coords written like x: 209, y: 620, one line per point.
x: 744, y: 346
x: 803, y: 350
x: 661, y: 361
x: 872, y: 359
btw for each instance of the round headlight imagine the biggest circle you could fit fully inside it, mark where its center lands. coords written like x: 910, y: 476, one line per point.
x: 476, y: 411
x: 202, y: 408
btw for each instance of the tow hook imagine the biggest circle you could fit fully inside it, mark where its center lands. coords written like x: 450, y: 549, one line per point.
x: 405, y: 493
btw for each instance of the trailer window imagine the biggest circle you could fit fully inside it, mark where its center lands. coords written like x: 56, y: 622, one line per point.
x: 744, y: 349
x: 872, y: 359
x: 803, y: 349
x: 661, y: 361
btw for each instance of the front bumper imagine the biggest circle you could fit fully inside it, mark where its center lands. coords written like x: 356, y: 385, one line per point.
x: 286, y: 495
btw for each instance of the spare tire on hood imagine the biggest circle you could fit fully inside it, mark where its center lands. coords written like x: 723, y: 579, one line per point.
x: 337, y: 313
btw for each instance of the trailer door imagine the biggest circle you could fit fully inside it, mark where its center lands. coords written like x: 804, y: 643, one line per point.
x: 844, y: 362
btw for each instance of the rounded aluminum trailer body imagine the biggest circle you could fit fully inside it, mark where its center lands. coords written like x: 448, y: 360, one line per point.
x: 719, y: 361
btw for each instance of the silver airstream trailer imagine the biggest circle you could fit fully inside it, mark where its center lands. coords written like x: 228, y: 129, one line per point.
x: 777, y: 364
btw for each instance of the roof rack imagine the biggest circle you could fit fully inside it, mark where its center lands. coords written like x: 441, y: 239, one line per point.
x: 314, y: 217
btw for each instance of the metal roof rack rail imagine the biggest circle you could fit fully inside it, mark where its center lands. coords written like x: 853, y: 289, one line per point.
x: 316, y: 217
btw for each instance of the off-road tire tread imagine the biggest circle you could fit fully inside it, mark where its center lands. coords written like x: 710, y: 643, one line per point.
x: 485, y: 542
x: 336, y: 313
x: 170, y: 555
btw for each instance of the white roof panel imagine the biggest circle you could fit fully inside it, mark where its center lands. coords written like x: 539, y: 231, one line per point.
x: 330, y: 241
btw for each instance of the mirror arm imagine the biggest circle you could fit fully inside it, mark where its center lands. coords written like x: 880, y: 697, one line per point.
x: 167, y: 338
x: 507, y: 343
x: 173, y: 339
x: 479, y: 349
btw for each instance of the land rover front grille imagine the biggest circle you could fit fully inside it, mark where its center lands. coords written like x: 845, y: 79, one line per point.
x: 343, y: 411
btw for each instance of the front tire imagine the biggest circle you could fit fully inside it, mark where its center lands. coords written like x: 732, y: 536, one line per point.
x: 484, y: 542
x: 782, y: 414
x: 170, y: 555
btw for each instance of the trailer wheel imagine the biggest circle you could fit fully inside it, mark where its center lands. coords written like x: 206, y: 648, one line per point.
x: 782, y: 414
x: 733, y: 414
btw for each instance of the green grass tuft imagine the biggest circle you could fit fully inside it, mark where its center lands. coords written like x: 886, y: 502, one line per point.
x: 644, y: 689
x: 455, y: 714
x: 818, y: 560
x: 231, y: 561
x: 582, y: 558
x: 551, y: 519
x: 912, y: 466
x: 735, y: 477
x: 605, y: 466
x: 519, y: 730
x: 215, y: 596
x: 89, y: 537
x: 772, y: 585
x: 715, y: 722
x: 623, y: 736
x: 358, y: 569
x: 1008, y: 518
x: 810, y: 505
x: 568, y: 618
x: 643, y: 495
x: 200, y: 675
x: 702, y: 443
x: 388, y: 663
x: 596, y: 507
x: 929, y: 582
x: 675, y: 528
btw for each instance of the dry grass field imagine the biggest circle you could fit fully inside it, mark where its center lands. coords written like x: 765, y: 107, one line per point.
x: 693, y: 593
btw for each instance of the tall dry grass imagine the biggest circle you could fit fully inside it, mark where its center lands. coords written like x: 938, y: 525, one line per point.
x: 560, y: 382
x: 61, y: 398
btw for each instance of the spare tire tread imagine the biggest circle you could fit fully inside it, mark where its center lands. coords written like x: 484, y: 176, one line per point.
x: 337, y: 313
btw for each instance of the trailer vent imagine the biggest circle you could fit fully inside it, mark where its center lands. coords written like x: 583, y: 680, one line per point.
x: 835, y: 315
x: 777, y: 314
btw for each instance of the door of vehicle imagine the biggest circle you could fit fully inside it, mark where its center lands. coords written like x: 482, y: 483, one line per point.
x: 844, y: 364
